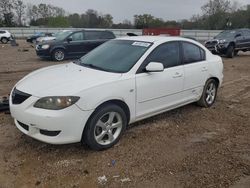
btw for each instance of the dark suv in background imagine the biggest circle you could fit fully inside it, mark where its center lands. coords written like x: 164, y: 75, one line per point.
x: 230, y: 42
x: 73, y: 44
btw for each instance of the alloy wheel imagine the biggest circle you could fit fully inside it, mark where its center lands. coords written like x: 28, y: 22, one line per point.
x: 210, y: 93
x: 108, y: 128
x: 59, y: 55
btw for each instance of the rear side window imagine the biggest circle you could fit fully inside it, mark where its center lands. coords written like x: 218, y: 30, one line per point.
x: 95, y: 35
x: 2, y: 32
x: 192, y: 53
x: 107, y: 35
x: 168, y: 54
x: 92, y: 35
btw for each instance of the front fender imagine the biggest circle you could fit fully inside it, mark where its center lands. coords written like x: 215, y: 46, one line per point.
x: 57, y: 47
x: 123, y: 90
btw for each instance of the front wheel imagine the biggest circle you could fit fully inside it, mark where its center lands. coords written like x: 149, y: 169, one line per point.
x: 105, y: 127
x: 58, y: 55
x: 230, y: 51
x: 209, y: 94
x: 236, y: 52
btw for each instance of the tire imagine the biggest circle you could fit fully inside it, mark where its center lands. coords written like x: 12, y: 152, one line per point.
x: 58, y: 55
x: 236, y: 52
x: 105, y: 127
x: 4, y: 40
x: 230, y: 52
x: 209, y: 94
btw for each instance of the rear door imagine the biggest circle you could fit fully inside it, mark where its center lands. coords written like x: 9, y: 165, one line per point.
x: 195, y: 70
x: 96, y: 38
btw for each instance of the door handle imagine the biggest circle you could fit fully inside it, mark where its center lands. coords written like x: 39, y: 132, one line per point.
x: 177, y: 75
x: 204, y: 69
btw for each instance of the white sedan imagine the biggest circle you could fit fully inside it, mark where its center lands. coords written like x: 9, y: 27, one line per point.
x: 123, y: 81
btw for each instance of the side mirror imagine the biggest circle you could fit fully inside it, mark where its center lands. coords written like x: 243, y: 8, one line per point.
x: 155, y: 67
x: 69, y: 39
x: 238, y: 35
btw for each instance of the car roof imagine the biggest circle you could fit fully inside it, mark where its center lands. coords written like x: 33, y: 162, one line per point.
x: 153, y: 39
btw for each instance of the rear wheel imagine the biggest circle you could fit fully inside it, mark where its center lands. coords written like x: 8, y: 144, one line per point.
x: 58, y: 55
x: 105, y: 127
x: 230, y: 51
x: 4, y: 40
x: 209, y: 94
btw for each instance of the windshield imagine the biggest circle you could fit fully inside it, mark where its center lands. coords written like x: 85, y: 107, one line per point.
x: 62, y: 35
x: 226, y: 34
x: 115, y: 56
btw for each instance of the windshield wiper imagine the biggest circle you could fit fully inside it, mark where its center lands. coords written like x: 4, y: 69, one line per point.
x: 93, y: 66
x: 77, y: 61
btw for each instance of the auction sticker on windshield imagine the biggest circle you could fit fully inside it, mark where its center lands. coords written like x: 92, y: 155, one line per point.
x: 143, y: 44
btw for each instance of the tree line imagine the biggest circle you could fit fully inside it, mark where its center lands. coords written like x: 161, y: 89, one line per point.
x: 215, y: 14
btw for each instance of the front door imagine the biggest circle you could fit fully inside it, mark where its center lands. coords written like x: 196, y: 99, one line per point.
x: 159, y: 91
x: 75, y: 45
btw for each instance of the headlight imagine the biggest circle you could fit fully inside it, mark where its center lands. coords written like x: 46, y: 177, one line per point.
x: 45, y: 46
x: 56, y: 103
x: 222, y: 41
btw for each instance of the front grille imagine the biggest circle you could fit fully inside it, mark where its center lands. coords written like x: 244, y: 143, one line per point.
x: 26, y: 127
x: 211, y: 43
x: 19, y: 97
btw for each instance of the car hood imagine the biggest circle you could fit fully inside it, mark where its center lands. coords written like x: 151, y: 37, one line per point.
x: 64, y: 80
x: 46, y: 38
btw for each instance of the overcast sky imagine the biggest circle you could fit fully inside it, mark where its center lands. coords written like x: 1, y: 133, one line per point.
x: 125, y: 9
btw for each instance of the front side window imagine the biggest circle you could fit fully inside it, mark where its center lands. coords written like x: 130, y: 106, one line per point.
x: 77, y: 36
x: 246, y: 33
x: 168, y: 54
x: 117, y: 56
x: 192, y: 53
x: 2, y: 32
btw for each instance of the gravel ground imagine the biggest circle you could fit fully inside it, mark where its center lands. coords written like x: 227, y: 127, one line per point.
x: 186, y: 147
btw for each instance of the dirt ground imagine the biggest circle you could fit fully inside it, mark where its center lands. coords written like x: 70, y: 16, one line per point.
x: 187, y: 147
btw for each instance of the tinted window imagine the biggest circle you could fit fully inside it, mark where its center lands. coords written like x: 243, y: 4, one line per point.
x: 246, y: 33
x: 77, y: 36
x: 192, y: 53
x: 168, y: 54
x: 2, y: 32
x: 92, y: 35
x: 107, y: 35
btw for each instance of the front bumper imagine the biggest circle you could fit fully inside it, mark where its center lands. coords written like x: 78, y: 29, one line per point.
x: 217, y: 49
x: 43, y: 53
x: 50, y: 126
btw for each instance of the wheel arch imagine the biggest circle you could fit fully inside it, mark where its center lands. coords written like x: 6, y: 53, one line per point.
x: 216, y: 79
x: 57, y: 48
x: 232, y: 44
x: 119, y: 103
